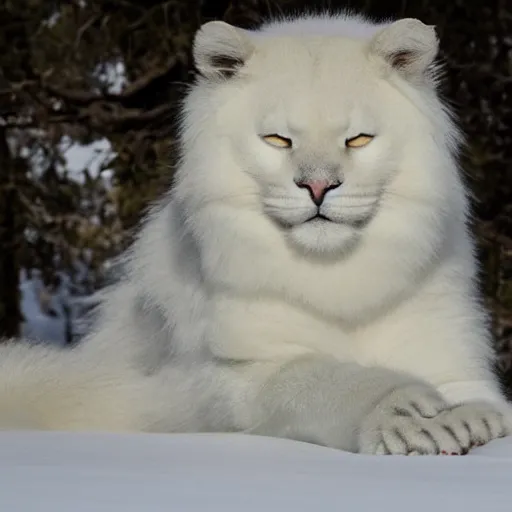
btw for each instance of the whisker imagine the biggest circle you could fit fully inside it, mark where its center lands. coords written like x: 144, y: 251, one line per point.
x: 227, y: 198
x: 349, y: 206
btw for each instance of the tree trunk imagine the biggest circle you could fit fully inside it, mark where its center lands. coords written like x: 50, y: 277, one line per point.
x: 10, y: 312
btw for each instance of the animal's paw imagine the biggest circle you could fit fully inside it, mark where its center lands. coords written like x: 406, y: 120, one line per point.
x: 416, y: 420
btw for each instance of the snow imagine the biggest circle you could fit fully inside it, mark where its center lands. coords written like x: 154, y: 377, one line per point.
x: 60, y: 472
x: 112, y: 76
x: 91, y: 157
x: 56, y: 315
x: 38, y: 324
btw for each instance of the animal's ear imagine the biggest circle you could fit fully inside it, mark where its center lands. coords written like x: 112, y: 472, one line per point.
x: 409, y: 46
x: 220, y: 49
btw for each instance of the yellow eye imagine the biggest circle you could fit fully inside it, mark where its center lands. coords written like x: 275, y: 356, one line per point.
x: 277, y: 141
x: 359, y: 141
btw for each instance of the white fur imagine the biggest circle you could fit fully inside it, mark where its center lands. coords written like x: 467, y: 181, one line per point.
x: 227, y: 285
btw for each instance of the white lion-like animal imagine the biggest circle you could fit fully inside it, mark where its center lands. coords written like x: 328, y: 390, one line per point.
x: 311, y: 275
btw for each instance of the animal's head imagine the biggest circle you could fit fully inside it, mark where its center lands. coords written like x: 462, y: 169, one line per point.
x: 313, y: 128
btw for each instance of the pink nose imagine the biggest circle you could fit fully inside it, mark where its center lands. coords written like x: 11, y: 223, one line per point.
x: 318, y: 188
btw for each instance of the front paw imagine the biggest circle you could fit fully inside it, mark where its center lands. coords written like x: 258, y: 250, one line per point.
x: 417, y: 421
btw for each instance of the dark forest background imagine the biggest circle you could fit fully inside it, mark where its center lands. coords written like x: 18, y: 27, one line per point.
x: 103, y: 78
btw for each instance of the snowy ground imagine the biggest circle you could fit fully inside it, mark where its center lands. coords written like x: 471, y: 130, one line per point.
x: 64, y: 472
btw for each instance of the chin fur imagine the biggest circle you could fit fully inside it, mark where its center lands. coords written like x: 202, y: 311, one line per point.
x: 321, y: 237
